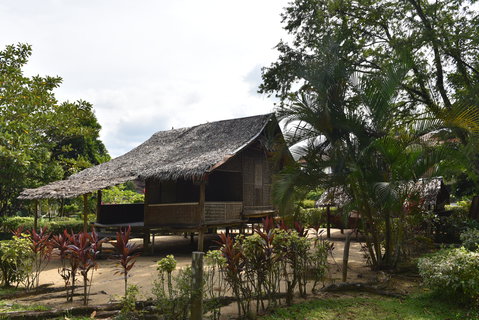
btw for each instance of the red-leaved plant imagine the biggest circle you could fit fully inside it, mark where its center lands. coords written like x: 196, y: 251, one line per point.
x: 85, y: 248
x: 41, y: 248
x: 69, y: 267
x: 126, y: 253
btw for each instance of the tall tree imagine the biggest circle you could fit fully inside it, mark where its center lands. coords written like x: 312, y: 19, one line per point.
x: 439, y: 39
x: 40, y: 139
x: 360, y: 85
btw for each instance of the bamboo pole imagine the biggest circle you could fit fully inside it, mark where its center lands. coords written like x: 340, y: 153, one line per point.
x: 328, y: 222
x: 201, y: 208
x: 35, y: 216
x: 201, y: 240
x: 98, y: 206
x: 85, y: 212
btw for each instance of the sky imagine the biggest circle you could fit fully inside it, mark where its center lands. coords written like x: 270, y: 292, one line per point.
x: 150, y: 65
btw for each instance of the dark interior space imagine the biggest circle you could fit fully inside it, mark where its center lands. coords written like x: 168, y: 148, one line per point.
x: 224, y: 186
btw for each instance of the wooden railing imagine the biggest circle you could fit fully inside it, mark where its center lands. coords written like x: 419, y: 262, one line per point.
x: 223, y: 212
x: 172, y: 214
x: 188, y: 214
x: 257, y: 211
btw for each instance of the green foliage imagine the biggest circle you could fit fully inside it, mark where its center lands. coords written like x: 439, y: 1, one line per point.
x: 167, y: 264
x: 413, y: 307
x: 121, y: 195
x: 128, y: 301
x: 470, y: 239
x: 55, y: 226
x: 215, y: 258
x: 40, y: 139
x: 6, y: 306
x: 314, y: 194
x: 453, y: 273
x: 359, y: 96
x: 256, y: 265
x: 307, y: 204
x: 448, y: 228
x: 172, y: 295
x: 214, y: 283
x: 16, y: 260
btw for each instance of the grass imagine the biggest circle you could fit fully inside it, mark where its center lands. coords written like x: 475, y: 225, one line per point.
x: 415, y: 307
x: 9, y: 306
x: 5, y: 291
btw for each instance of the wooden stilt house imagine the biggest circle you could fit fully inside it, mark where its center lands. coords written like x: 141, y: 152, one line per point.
x: 213, y: 174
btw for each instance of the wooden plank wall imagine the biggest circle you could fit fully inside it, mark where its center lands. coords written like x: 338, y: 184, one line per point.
x: 257, y: 180
x: 157, y: 215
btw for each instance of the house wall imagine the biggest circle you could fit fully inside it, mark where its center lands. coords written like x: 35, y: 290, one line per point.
x: 257, y: 180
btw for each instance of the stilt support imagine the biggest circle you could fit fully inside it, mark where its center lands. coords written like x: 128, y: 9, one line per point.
x: 85, y: 212
x: 328, y: 226
x: 146, y: 240
x: 201, y: 240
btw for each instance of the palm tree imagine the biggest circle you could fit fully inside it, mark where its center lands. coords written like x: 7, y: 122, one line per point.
x: 349, y: 132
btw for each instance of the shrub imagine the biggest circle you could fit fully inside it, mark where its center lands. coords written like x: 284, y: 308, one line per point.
x: 172, y: 295
x: 128, y: 302
x: 450, y: 225
x: 215, y: 284
x: 70, y: 224
x: 314, y: 217
x: 16, y: 260
x: 307, y: 204
x: 452, y: 272
x: 13, y: 223
x: 55, y: 226
x: 470, y: 239
x: 256, y: 265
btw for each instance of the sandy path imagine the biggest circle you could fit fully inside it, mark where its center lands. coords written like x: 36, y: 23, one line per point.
x: 108, y: 286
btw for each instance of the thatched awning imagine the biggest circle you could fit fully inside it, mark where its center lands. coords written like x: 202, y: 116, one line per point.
x: 430, y: 190
x: 179, y: 153
x: 333, y: 197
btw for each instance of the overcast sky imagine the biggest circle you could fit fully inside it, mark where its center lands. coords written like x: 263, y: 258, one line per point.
x: 150, y: 65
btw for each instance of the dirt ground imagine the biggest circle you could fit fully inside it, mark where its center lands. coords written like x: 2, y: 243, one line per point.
x: 108, y: 286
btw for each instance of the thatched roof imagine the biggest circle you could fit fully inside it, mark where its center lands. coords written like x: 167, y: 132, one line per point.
x: 430, y: 190
x: 179, y: 153
x: 333, y: 197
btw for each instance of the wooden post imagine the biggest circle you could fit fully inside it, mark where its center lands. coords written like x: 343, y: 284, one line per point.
x: 35, y: 216
x: 201, y: 209
x: 62, y: 207
x: 146, y: 240
x: 197, y: 286
x: 98, y: 205
x: 201, y: 240
x: 153, y: 243
x: 347, y: 242
x: 85, y: 212
x: 328, y: 222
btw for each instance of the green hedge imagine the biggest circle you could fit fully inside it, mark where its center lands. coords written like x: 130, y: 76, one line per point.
x: 452, y: 272
x: 54, y: 226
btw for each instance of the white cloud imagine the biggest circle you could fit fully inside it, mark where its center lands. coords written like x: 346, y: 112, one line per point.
x: 150, y: 65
